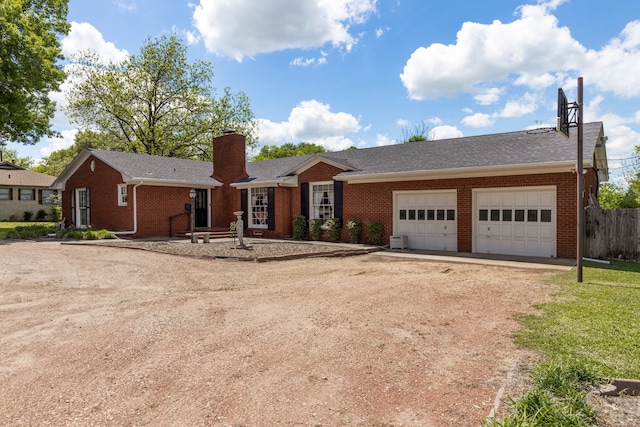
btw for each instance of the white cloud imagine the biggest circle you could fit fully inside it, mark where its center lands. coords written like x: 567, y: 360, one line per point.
x: 302, y: 62
x: 534, y: 44
x: 84, y: 36
x: 489, y: 96
x: 245, y: 28
x: 54, y: 144
x: 311, y: 121
x: 122, y: 5
x: 383, y: 140
x: 402, y: 123
x: 520, y: 107
x: 479, y: 120
x: 434, y: 120
x: 445, y: 132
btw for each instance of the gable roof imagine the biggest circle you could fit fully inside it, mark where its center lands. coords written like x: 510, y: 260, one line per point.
x: 144, y: 168
x: 522, y: 152
x: 14, y: 175
x: 511, y: 153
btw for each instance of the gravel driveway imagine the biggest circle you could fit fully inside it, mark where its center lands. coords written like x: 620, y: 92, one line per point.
x: 97, y: 335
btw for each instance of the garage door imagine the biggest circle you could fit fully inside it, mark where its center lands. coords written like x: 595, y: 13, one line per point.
x: 428, y: 219
x: 516, y: 222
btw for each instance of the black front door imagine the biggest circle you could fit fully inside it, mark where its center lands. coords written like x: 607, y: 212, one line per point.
x: 201, y: 208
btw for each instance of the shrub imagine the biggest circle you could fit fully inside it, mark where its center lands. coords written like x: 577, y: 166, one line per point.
x: 27, y: 215
x: 41, y: 215
x: 354, y: 226
x: 300, y: 227
x: 374, y: 232
x: 333, y: 229
x: 56, y: 213
x: 315, y: 229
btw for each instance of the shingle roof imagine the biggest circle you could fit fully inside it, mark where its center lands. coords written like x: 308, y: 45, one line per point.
x: 157, y: 168
x: 514, y: 149
x: 503, y: 149
x: 24, y: 178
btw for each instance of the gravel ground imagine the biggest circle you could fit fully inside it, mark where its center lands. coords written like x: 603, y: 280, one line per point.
x: 101, y: 335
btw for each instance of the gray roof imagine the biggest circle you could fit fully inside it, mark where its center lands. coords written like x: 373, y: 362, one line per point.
x: 535, y: 147
x: 531, y: 148
x: 156, y: 168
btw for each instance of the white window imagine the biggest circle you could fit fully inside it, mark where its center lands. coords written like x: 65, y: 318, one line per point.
x: 122, y: 194
x: 27, y: 194
x: 5, y: 193
x: 259, y: 202
x: 82, y: 207
x: 322, y: 201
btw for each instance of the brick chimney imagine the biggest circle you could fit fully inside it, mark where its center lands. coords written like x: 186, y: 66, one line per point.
x: 229, y: 157
x: 229, y: 166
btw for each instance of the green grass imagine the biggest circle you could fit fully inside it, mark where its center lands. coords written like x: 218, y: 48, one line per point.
x: 23, y: 230
x: 8, y: 226
x: 590, y: 331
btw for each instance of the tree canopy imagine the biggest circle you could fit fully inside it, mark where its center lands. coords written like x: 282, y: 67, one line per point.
x: 269, y: 152
x: 155, y: 102
x: 29, y: 51
x: 415, y: 133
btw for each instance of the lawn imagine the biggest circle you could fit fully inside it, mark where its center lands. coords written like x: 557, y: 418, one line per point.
x: 590, y: 331
x: 7, y: 226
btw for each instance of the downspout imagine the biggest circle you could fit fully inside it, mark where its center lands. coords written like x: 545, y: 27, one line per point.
x: 135, y: 214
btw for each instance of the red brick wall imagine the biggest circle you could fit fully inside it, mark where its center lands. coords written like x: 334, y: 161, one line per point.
x: 155, y: 204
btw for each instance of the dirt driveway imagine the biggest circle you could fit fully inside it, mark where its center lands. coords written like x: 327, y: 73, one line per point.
x: 93, y: 335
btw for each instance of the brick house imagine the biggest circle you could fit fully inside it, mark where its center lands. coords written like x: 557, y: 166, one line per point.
x: 22, y: 190
x: 508, y: 193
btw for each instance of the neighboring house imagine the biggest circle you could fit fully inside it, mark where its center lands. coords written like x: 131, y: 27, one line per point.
x: 22, y: 190
x: 508, y: 193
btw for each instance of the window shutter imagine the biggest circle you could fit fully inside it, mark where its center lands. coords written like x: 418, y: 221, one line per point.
x: 337, y: 200
x: 244, y: 196
x: 304, y: 199
x: 271, y: 208
x: 88, y: 208
x: 73, y: 206
x: 39, y: 197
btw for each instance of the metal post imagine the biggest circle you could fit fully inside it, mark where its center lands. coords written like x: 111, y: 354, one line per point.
x: 580, y: 185
x: 192, y: 193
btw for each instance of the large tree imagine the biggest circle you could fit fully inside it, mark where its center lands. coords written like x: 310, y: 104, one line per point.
x: 155, y: 102
x: 29, y: 68
x: 289, y: 149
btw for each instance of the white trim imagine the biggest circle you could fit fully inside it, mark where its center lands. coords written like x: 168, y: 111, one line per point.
x: 475, y: 172
x: 250, y: 207
x: 120, y: 194
x: 78, y: 207
x: 309, y: 163
x: 289, y: 181
x: 333, y: 203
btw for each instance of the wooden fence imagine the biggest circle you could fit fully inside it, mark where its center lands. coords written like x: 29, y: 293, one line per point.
x: 612, y: 234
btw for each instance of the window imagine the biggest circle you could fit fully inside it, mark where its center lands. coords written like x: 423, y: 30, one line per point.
x: 403, y: 214
x: 506, y: 215
x: 440, y: 214
x: 6, y: 194
x: 495, y: 214
x: 259, y: 202
x: 545, y: 215
x: 122, y: 194
x: 47, y: 196
x: 451, y: 214
x: 421, y: 214
x: 532, y: 215
x: 519, y: 215
x: 483, y: 215
x: 431, y: 214
x: 81, y: 208
x: 27, y: 194
x: 412, y: 214
x: 322, y: 201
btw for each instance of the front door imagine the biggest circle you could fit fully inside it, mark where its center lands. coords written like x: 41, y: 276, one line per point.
x: 202, y: 210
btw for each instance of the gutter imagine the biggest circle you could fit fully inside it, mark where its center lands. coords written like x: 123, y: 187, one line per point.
x: 135, y: 214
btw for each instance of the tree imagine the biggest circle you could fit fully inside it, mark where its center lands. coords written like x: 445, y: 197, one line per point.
x: 269, y: 152
x: 415, y: 133
x: 612, y: 196
x: 155, y: 102
x: 9, y: 155
x: 29, y: 50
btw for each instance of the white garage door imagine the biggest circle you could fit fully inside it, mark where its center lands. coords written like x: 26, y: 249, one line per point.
x: 428, y: 219
x: 516, y: 222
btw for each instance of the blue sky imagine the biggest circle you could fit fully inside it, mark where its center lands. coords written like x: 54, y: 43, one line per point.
x: 356, y: 72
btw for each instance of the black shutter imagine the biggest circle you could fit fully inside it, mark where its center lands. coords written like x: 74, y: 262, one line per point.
x: 271, y: 208
x: 73, y: 206
x: 337, y: 200
x: 88, y: 208
x: 304, y: 199
x: 39, y: 197
x: 243, y: 206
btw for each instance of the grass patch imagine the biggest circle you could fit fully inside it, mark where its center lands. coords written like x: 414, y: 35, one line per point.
x: 35, y: 231
x: 590, y: 331
x: 7, y: 227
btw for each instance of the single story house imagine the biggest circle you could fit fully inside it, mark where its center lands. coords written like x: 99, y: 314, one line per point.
x: 22, y: 190
x: 507, y: 193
